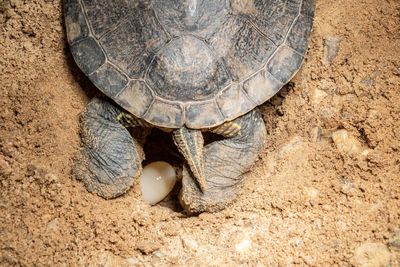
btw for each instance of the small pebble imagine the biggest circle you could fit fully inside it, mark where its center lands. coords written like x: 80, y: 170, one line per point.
x: 243, y: 245
x: 394, y: 241
x: 312, y: 192
x: 318, y: 96
x: 190, y: 243
x: 157, y: 181
x: 5, y: 168
x: 331, y: 48
x: 370, y: 80
x: 159, y: 254
x: 132, y: 261
x: 316, y: 134
x: 52, y: 225
x: 346, y: 143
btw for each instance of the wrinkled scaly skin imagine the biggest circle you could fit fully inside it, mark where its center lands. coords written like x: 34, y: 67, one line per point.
x: 225, y: 163
x: 111, y: 159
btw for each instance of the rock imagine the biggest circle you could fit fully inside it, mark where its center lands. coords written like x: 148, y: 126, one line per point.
x: 159, y: 254
x: 371, y: 255
x: 369, y: 81
x: 5, y: 169
x: 51, y: 178
x: 347, y: 188
x: 30, y: 170
x: 132, y: 261
x: 316, y: 134
x: 52, y: 225
x: 331, y: 48
x: 148, y: 246
x: 346, y: 143
x: 190, y: 243
x: 308, y: 260
x: 318, y: 96
x: 328, y: 86
x: 108, y: 259
x: 243, y: 245
x: 311, y: 192
x: 394, y: 241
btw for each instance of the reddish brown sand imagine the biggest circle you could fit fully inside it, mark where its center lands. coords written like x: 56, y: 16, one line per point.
x: 325, y: 192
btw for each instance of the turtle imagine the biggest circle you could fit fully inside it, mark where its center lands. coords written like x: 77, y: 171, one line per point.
x: 186, y: 67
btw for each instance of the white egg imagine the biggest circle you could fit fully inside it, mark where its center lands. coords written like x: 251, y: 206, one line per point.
x: 156, y: 182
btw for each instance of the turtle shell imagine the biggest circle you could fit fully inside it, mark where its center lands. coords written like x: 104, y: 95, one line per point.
x: 197, y: 63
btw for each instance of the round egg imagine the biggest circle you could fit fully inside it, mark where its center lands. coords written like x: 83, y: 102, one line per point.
x: 157, y: 181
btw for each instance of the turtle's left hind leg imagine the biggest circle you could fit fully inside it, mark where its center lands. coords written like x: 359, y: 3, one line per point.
x: 225, y: 164
x: 111, y: 158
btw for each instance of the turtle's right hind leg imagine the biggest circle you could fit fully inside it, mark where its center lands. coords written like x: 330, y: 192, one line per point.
x: 110, y: 159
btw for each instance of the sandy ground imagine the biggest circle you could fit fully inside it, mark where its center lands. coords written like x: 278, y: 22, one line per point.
x: 325, y: 192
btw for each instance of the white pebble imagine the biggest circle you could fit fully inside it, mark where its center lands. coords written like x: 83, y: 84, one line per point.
x: 156, y: 182
x: 243, y: 245
x: 346, y: 143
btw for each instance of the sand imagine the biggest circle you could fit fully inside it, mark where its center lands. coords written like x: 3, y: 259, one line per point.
x: 325, y: 192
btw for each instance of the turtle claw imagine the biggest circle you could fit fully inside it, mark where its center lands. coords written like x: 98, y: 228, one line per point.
x: 111, y: 158
x: 225, y: 162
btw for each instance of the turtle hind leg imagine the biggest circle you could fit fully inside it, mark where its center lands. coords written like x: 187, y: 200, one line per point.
x: 228, y: 129
x: 225, y: 163
x: 110, y: 158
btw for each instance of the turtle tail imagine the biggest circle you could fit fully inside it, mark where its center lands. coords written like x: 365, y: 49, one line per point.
x: 190, y: 143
